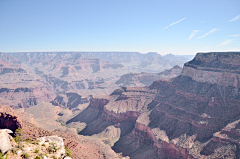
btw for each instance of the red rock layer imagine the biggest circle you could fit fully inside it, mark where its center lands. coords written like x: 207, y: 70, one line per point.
x: 8, y: 119
x: 81, y: 148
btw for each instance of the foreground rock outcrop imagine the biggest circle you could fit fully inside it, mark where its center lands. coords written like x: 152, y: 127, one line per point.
x: 80, y: 148
x: 5, y: 138
x: 8, y: 118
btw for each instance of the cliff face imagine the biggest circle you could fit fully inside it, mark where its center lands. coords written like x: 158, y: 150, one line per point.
x: 215, y: 68
x: 188, y: 104
x: 8, y: 118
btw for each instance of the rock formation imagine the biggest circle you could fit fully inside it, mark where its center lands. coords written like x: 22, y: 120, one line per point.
x: 5, y: 138
x: 8, y: 119
x: 146, y: 79
x: 198, y: 103
x: 70, y: 100
x: 193, y: 115
x: 81, y: 148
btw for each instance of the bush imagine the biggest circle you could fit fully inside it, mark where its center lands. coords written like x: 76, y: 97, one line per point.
x: 36, y: 151
x: 18, y: 135
x: 28, y: 140
x: 18, y: 139
x: 37, y: 157
x: 68, y: 152
x: 14, y: 151
x: 18, y: 132
x: 35, y: 142
x: 25, y: 155
x: 2, y: 156
x: 53, y: 147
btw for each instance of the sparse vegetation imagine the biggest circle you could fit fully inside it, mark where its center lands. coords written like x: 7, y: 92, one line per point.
x: 52, y: 147
x: 2, y: 156
x: 25, y: 155
x: 28, y: 140
x: 36, y: 151
x: 20, y: 146
x: 68, y: 152
x: 14, y: 151
x: 35, y: 142
x: 18, y: 135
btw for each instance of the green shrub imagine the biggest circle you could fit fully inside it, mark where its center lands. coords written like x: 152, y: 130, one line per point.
x: 36, y: 151
x: 38, y: 157
x: 18, y: 135
x: 14, y: 151
x: 68, y: 152
x: 18, y: 139
x: 35, y: 142
x: 2, y: 156
x: 25, y: 155
x: 28, y: 140
x: 18, y: 132
x: 43, y: 145
x: 52, y: 147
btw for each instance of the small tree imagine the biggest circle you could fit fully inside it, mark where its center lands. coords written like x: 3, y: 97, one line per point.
x: 18, y: 135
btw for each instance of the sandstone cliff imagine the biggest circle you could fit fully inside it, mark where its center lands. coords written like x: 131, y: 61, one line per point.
x: 192, y: 104
x: 215, y: 68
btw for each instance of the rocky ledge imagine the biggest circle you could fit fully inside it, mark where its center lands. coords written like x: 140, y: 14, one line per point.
x: 221, y: 68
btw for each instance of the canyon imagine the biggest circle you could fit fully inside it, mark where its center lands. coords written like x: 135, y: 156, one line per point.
x: 189, y: 112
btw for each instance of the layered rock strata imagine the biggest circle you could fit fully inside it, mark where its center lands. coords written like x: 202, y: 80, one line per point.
x: 191, y: 104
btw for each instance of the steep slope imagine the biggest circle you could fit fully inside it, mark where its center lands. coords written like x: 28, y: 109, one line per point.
x: 198, y: 103
x: 80, y: 147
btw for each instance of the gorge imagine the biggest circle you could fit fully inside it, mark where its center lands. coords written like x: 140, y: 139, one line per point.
x: 192, y: 112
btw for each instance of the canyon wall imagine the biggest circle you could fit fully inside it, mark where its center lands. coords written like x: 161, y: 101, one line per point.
x: 215, y: 68
x: 190, y: 104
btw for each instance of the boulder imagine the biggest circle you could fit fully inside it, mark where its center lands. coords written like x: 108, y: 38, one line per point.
x: 55, y: 140
x: 5, y: 144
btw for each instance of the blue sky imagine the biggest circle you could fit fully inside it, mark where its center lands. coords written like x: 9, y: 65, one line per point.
x: 172, y: 26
